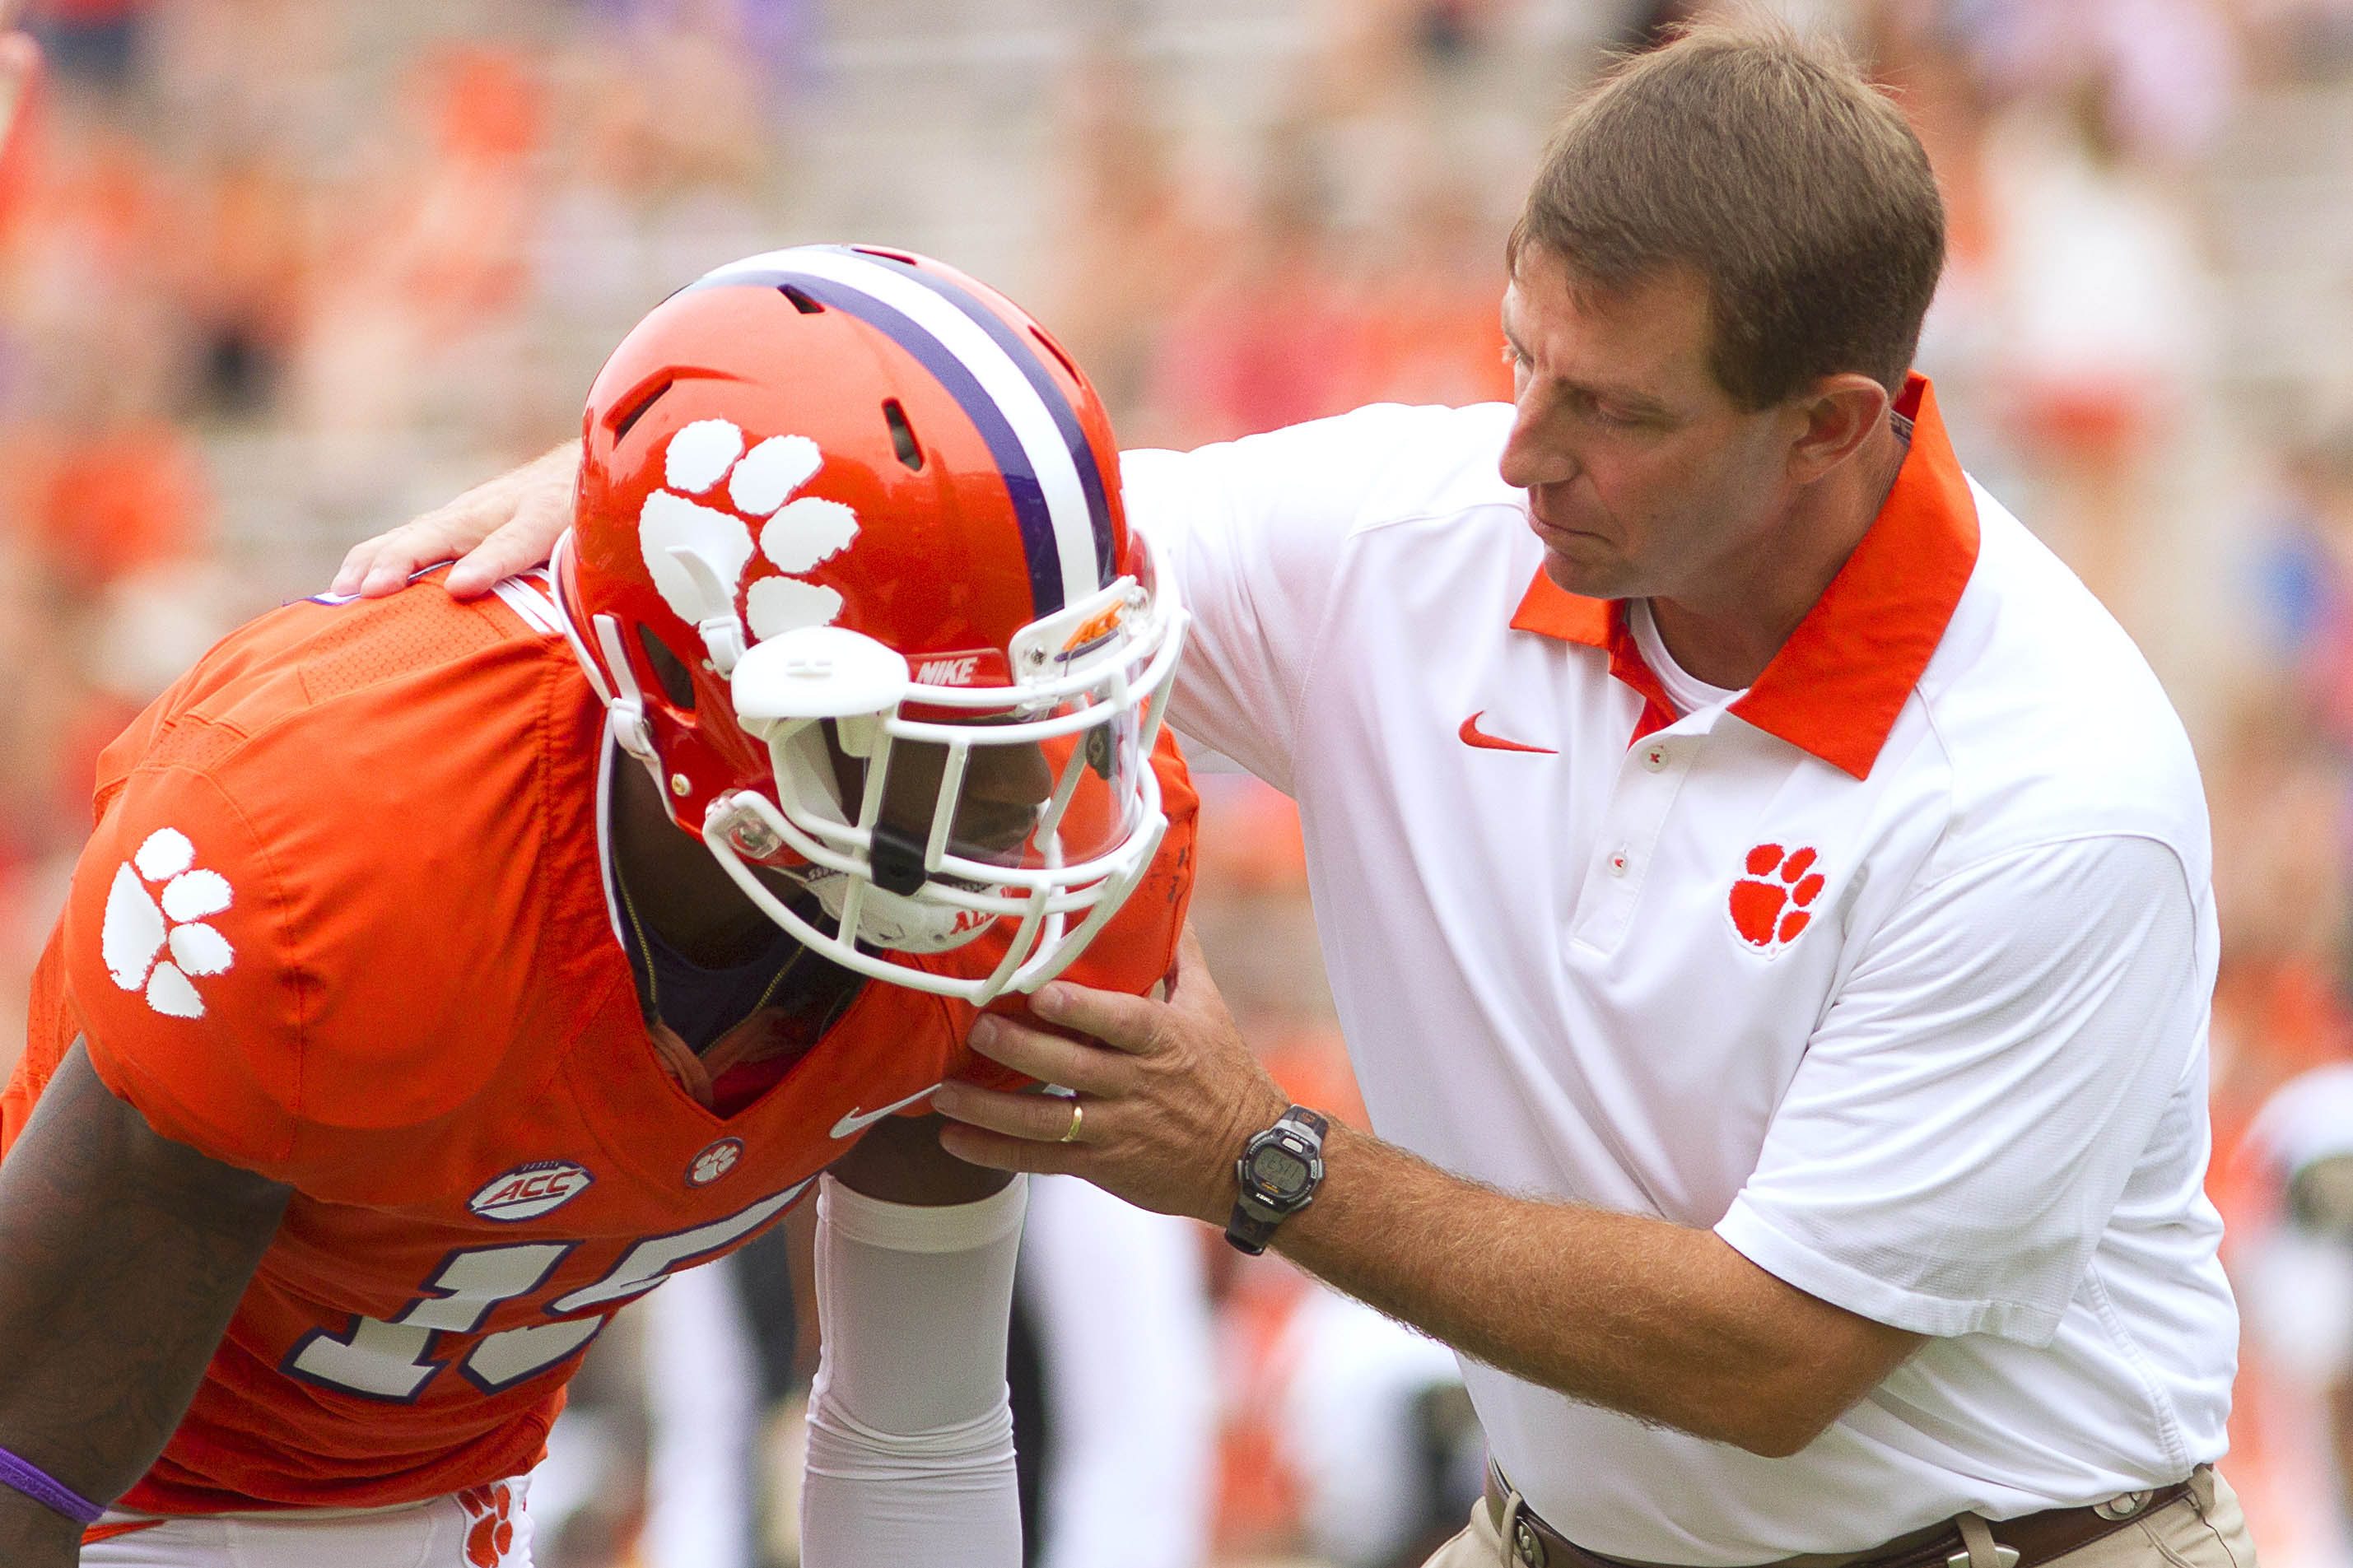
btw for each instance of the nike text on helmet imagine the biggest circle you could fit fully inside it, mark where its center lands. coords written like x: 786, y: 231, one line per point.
x: 849, y: 570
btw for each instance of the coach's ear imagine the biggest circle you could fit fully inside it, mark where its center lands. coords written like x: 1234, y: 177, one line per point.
x: 1836, y: 415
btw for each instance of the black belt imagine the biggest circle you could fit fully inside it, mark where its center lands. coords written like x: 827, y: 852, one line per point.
x: 2025, y: 1542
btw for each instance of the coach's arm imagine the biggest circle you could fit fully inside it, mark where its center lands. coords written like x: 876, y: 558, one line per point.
x: 122, y: 1256
x: 1664, y: 1321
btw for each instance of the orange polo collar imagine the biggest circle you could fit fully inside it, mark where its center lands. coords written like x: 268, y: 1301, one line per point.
x: 1835, y: 687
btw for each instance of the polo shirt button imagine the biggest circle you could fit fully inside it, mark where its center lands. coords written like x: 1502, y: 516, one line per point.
x: 1618, y: 862
x: 1654, y: 758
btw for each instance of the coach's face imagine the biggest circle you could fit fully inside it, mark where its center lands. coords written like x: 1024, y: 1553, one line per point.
x: 1644, y: 478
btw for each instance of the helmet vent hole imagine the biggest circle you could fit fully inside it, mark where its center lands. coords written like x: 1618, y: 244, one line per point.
x: 668, y: 669
x: 801, y: 301
x: 1055, y: 349
x: 622, y: 426
x: 903, y: 435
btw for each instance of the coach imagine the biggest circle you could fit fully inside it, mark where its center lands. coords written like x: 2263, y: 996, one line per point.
x: 1766, y: 895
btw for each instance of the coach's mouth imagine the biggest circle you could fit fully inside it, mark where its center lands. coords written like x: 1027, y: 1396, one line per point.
x: 1561, y: 537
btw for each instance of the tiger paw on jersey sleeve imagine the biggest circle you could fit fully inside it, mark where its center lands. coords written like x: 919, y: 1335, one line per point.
x: 142, y: 926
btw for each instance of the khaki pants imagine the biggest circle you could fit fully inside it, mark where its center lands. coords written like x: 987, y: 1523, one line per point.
x: 2176, y: 1536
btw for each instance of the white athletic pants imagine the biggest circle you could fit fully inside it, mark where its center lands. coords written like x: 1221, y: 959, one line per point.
x: 484, y: 1527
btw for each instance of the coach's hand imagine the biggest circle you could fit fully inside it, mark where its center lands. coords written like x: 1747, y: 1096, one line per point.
x: 497, y: 528
x: 1167, y: 1093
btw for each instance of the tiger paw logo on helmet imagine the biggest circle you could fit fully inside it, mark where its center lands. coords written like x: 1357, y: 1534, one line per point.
x: 141, y: 927
x: 1774, y: 902
x: 707, y: 458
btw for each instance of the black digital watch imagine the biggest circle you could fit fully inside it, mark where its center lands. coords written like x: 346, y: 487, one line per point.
x: 1276, y: 1176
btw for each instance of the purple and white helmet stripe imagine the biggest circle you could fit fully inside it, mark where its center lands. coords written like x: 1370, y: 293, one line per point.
x: 1055, y: 490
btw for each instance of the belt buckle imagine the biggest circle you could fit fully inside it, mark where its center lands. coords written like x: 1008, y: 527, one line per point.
x: 2003, y: 1557
x: 1978, y: 1547
x: 1520, y: 1537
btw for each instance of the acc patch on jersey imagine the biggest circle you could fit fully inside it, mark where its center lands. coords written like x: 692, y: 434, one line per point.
x: 529, y: 1191
x: 141, y: 927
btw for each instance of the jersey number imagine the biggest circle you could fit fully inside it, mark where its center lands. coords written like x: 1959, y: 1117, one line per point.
x: 392, y: 1357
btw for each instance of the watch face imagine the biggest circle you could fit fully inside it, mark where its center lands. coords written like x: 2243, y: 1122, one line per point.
x: 1281, y: 1171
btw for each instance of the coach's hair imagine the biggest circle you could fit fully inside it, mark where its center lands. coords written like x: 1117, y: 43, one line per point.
x: 1769, y: 166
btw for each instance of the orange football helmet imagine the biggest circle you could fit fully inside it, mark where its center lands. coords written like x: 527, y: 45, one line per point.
x: 849, y: 570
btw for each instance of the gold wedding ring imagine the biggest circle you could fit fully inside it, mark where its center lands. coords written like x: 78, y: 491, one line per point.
x: 1077, y: 1115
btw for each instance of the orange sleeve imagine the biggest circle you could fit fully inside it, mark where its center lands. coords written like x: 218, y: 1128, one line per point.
x: 173, y: 962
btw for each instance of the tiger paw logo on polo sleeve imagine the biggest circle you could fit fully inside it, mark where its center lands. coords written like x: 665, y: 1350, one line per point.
x: 143, y: 927
x: 794, y: 533
x: 1774, y: 902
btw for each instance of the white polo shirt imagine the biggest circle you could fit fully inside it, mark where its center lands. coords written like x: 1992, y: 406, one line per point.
x: 1894, y: 969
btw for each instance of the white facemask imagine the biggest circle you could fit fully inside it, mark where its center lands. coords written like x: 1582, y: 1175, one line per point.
x: 886, y: 920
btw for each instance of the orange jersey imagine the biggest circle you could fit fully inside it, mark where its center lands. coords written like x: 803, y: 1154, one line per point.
x: 343, y: 922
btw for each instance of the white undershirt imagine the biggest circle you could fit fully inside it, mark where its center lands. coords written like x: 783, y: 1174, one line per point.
x: 1687, y: 691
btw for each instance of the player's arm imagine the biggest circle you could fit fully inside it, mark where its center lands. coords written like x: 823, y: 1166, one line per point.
x: 911, y: 1432
x: 900, y: 1161
x: 122, y: 1255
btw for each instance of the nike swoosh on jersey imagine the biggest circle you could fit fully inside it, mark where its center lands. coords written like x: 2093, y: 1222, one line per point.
x: 1474, y: 736
x: 858, y: 1122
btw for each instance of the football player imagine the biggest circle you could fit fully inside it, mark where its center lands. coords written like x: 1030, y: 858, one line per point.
x: 441, y: 977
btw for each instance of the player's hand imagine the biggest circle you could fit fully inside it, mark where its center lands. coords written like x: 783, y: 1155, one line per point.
x: 493, y: 531
x: 1167, y: 1096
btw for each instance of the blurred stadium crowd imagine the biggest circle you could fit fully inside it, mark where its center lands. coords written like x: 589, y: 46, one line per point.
x: 275, y: 274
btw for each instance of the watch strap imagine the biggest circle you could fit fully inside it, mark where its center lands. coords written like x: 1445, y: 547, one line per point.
x: 1247, y: 1233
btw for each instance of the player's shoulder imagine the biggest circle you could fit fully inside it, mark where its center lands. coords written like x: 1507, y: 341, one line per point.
x: 334, y: 655
x: 321, y: 860
x: 331, y: 739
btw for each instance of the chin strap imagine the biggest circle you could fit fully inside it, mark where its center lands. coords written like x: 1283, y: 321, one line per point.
x: 625, y: 710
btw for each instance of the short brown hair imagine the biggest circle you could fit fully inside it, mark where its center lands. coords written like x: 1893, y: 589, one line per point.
x: 1768, y: 165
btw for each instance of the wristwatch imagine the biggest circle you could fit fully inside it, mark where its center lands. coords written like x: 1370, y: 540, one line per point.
x: 1278, y: 1174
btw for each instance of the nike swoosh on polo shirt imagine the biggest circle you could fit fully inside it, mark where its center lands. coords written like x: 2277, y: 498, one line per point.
x: 857, y: 1122
x: 1474, y: 736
